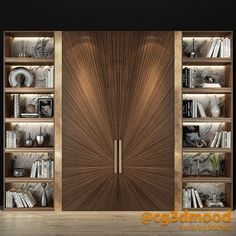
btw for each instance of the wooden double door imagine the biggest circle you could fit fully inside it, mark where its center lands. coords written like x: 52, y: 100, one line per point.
x: 118, y: 120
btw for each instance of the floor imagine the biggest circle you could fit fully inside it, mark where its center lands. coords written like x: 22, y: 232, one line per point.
x: 91, y: 223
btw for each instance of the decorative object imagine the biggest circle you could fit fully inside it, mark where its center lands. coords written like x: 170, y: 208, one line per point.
x: 41, y: 50
x: 44, y: 196
x: 209, y: 79
x: 45, y: 107
x: 29, y: 141
x: 215, y: 160
x: 16, y: 101
x: 193, y: 52
x: 19, y: 76
x: 30, y: 108
x: 40, y: 138
x: 19, y: 172
x: 215, y: 110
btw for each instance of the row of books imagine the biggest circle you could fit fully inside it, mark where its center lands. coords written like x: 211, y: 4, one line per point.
x: 42, y: 169
x: 191, y: 199
x: 221, y: 139
x: 192, y: 109
x: 12, y: 139
x: 219, y: 47
x: 187, y: 81
x: 50, y: 77
x: 19, y: 198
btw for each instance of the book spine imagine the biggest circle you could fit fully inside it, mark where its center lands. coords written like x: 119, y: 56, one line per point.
x: 213, y: 143
x: 229, y: 139
x: 219, y: 139
x: 194, y: 199
x: 198, y: 199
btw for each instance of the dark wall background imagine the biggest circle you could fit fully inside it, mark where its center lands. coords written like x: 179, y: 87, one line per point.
x: 115, y: 15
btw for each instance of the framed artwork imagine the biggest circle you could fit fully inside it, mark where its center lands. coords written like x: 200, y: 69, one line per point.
x: 45, y: 107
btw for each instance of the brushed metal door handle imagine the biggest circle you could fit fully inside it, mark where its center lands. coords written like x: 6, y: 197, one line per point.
x: 120, y: 156
x: 115, y: 156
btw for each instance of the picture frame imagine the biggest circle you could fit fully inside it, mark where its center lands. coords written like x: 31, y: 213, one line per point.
x: 45, y: 107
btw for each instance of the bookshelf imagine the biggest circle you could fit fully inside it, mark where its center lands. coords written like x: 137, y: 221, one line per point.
x: 196, y: 164
x: 36, y: 52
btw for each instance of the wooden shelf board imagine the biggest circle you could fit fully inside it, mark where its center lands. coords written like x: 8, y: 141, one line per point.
x: 206, y: 33
x: 30, y: 209
x: 28, y: 120
x: 208, y: 209
x: 29, y: 90
x: 206, y: 90
x: 30, y: 149
x: 206, y: 61
x: 201, y: 179
x: 210, y: 119
x: 207, y: 149
x: 29, y: 33
x: 28, y: 61
x: 27, y: 179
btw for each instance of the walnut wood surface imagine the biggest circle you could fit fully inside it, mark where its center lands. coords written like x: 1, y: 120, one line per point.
x: 118, y: 85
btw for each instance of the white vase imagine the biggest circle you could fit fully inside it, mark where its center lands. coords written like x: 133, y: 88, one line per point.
x: 215, y: 110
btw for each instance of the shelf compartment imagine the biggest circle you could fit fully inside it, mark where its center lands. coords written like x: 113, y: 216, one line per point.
x: 31, y: 90
x: 28, y: 120
x: 220, y: 150
x: 201, y: 179
x: 209, y: 120
x: 27, y: 180
x: 207, y: 90
x: 206, y: 61
x: 28, y: 61
x: 30, y: 149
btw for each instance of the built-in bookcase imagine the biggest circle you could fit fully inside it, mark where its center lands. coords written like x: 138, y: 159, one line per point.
x: 207, y: 80
x: 33, y: 52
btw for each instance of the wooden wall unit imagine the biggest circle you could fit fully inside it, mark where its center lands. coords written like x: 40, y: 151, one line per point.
x: 118, y: 86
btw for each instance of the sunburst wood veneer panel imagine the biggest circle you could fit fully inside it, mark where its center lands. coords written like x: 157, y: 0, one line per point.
x: 118, y: 85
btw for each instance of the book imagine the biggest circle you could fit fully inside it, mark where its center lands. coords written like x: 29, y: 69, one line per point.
x: 214, y: 140
x: 210, y: 85
x: 201, y: 110
x: 217, y: 48
x: 223, y: 139
x: 219, y: 139
x: 228, y: 142
x: 211, y: 203
x: 211, y: 49
x: 222, y: 48
x: 29, y: 115
x: 194, y: 199
x: 198, y: 199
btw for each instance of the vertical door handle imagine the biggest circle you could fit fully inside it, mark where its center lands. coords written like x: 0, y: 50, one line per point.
x: 115, y: 156
x: 120, y: 156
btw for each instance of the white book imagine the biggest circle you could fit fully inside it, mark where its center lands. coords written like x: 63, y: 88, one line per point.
x: 52, y: 76
x: 198, y: 199
x: 214, y: 140
x: 194, y: 199
x: 31, y: 198
x: 222, y: 48
x: 42, y: 168
x: 218, y: 143
x: 48, y: 78
x: 228, y: 143
x: 227, y: 47
x: 223, y: 139
x: 23, y: 199
x: 19, y: 199
x: 32, y: 171
x: 52, y: 169
x: 189, y: 199
x: 216, y: 49
x: 201, y: 110
x: 34, y: 175
x: 47, y: 169
x: 213, y: 44
x: 184, y: 198
x: 210, y: 85
x: 27, y: 199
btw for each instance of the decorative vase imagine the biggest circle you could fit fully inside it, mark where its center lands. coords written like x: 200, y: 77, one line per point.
x: 44, y: 196
x: 29, y: 141
x: 40, y: 138
x: 16, y: 100
x: 215, y: 110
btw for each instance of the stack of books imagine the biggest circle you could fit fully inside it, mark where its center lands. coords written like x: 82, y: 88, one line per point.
x: 211, y: 203
x: 192, y: 108
x: 187, y: 80
x: 219, y: 47
x: 221, y: 139
x: 12, y: 139
x: 49, y: 79
x: 29, y: 115
x: 210, y: 85
x: 42, y: 169
x: 191, y: 198
x: 19, y: 198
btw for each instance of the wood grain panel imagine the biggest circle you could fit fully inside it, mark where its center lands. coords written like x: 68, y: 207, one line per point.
x: 146, y: 121
x: 89, y: 121
x: 118, y: 85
